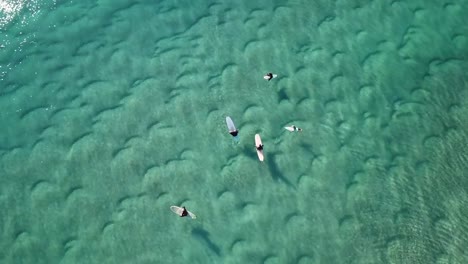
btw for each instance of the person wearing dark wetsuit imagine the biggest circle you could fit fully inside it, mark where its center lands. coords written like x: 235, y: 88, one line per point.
x: 260, y: 147
x: 270, y: 76
x: 296, y: 128
x: 234, y: 133
x: 184, y: 212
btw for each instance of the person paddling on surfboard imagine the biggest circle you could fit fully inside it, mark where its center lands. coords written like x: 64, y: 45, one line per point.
x: 268, y: 76
x: 260, y: 147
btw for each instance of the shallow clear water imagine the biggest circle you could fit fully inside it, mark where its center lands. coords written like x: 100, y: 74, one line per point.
x: 112, y: 111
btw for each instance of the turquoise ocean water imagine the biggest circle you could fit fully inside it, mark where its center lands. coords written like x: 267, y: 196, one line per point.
x: 114, y: 110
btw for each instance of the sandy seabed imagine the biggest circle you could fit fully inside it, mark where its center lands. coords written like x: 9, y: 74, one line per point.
x: 114, y: 111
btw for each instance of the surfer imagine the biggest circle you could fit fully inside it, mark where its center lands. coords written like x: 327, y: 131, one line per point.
x: 293, y: 128
x: 231, y: 127
x: 260, y: 147
x: 234, y: 133
x: 268, y: 76
x: 296, y: 128
x: 184, y: 212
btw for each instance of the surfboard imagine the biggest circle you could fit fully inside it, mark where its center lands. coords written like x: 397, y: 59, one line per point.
x: 266, y: 76
x: 231, y: 127
x: 178, y: 210
x: 258, y: 142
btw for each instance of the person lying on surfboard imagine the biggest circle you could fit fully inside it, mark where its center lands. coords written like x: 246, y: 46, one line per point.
x: 268, y: 76
x: 260, y: 147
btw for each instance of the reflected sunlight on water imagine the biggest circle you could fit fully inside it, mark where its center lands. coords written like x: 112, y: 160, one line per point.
x: 9, y: 9
x: 15, y: 15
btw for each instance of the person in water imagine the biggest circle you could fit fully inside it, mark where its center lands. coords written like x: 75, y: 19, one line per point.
x: 234, y: 133
x: 269, y: 76
x: 260, y: 147
x: 296, y: 128
x: 184, y: 212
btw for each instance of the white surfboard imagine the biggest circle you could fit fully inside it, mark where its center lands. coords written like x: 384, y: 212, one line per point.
x: 258, y: 142
x: 291, y: 128
x: 231, y: 127
x: 266, y: 77
x: 178, y: 210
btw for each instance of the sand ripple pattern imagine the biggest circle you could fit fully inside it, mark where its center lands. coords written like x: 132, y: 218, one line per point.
x: 114, y: 110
